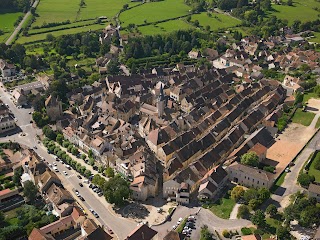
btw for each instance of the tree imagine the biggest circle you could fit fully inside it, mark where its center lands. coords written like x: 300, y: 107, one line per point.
x: 117, y: 190
x: 125, y: 6
x: 310, y: 216
x: 98, y: 180
x: 237, y: 193
x: 251, y: 194
x: 250, y: 159
x: 74, y: 151
x: 264, y: 194
x: 17, y: 175
x: 272, y: 210
x: 258, y: 218
x: 2, y: 218
x: 90, y: 153
x: 254, y: 203
x: 49, y: 133
x: 305, y: 179
x: 243, y: 211
x: 205, y: 234
x: 30, y: 191
x: 113, y: 67
x: 283, y: 233
x: 59, y: 138
x: 109, y: 172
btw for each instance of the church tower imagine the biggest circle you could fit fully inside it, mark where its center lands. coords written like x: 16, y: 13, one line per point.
x: 160, y: 103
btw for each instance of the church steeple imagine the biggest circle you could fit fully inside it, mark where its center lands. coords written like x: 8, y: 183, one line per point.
x: 161, y: 102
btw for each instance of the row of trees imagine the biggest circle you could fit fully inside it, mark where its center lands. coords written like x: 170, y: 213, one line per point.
x: 17, y: 5
x: 251, y: 197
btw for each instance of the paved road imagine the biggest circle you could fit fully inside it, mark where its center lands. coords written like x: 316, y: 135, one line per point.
x: 18, y: 28
x: 204, y: 217
x: 121, y: 226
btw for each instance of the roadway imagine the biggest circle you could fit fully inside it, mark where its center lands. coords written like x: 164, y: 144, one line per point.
x: 18, y: 28
x: 120, y: 226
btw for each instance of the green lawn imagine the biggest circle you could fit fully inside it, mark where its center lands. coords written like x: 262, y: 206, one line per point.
x: 56, y: 11
x: 42, y: 36
x: 313, y: 171
x: 165, y: 27
x: 301, y: 10
x: 309, y: 95
x: 7, y: 21
x: 99, y: 8
x: 304, y: 118
x: 279, y: 182
x: 223, y: 207
x: 316, y: 37
x: 318, y: 123
x: 216, y: 21
x: 154, y: 11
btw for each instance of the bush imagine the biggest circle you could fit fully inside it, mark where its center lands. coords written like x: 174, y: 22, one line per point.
x: 226, y: 233
x: 246, y: 231
x: 269, y: 169
x: 305, y: 179
x: 243, y: 211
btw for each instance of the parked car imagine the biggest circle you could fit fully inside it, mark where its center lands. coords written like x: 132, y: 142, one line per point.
x: 65, y: 173
x: 54, y: 164
x: 81, y: 198
x: 80, y: 184
x: 78, y: 176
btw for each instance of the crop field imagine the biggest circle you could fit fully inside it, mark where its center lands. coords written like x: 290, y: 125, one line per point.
x: 165, y: 27
x: 153, y: 12
x: 302, y: 10
x: 7, y: 21
x: 216, y: 21
x: 42, y: 36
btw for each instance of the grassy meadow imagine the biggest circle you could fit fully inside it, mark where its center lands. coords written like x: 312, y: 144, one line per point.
x: 302, y: 10
x: 7, y: 20
x: 216, y: 20
x: 154, y: 11
x: 165, y: 27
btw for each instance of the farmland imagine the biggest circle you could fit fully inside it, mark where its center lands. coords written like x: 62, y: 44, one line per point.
x: 7, y: 21
x: 216, y: 20
x: 153, y: 12
x: 302, y: 10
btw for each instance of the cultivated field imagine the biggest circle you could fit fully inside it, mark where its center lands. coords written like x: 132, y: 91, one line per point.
x: 7, y: 21
x: 302, y: 10
x: 154, y: 11
x: 216, y: 21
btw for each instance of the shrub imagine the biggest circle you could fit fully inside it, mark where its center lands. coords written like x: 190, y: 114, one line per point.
x: 246, y: 231
x: 305, y: 179
x: 226, y: 233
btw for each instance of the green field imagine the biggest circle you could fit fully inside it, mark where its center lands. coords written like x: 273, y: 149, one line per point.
x: 154, y: 11
x: 216, y: 21
x: 313, y: 171
x: 99, y: 8
x: 42, y: 36
x: 56, y: 11
x: 304, y: 118
x: 165, y: 27
x: 301, y: 10
x: 316, y: 37
x: 223, y: 207
x: 7, y: 21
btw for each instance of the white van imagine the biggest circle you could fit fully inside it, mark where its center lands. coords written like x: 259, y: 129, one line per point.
x: 55, y: 169
x: 68, y: 167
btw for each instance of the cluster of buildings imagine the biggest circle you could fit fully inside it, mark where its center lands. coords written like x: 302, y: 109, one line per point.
x: 7, y: 120
x: 72, y: 222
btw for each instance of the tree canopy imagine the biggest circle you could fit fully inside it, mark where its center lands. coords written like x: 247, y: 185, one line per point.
x: 250, y: 159
x: 116, y: 190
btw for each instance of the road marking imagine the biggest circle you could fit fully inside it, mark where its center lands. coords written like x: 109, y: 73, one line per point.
x: 69, y: 176
x: 27, y: 125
